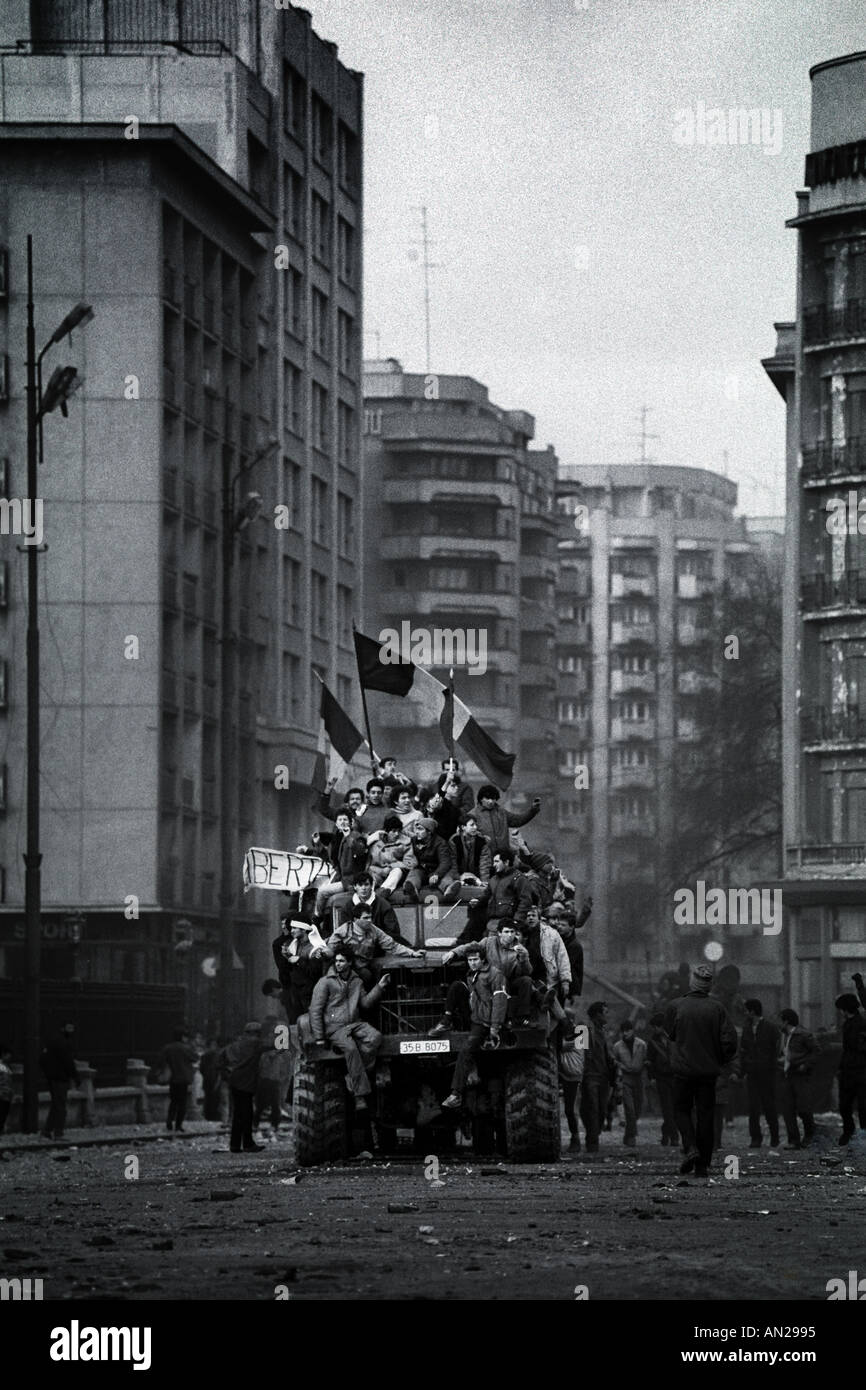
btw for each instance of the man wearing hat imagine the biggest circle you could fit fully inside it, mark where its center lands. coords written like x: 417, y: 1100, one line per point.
x: 429, y: 861
x: 704, y: 1039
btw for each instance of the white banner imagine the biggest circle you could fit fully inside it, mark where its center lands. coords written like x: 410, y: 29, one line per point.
x: 281, y: 869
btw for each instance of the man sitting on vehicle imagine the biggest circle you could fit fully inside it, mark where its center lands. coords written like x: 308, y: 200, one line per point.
x: 506, y: 895
x: 488, y: 1002
x: 503, y: 951
x: 496, y: 823
x: 450, y: 776
x: 392, y: 780
x: 367, y: 940
x: 429, y: 861
x: 380, y: 907
x: 405, y: 808
x: 347, y: 851
x: 471, y: 854
x: 335, y: 1019
x: 388, y: 853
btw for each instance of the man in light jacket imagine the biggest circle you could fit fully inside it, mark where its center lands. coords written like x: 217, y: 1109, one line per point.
x: 704, y: 1039
x: 630, y: 1056
x: 335, y: 1019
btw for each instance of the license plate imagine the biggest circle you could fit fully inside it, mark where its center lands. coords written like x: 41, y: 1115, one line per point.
x: 424, y: 1046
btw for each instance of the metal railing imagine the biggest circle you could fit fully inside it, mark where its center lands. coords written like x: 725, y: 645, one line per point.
x: 824, y: 591
x: 826, y: 459
x: 798, y: 855
x: 105, y: 25
x: 823, y: 324
x: 821, y: 722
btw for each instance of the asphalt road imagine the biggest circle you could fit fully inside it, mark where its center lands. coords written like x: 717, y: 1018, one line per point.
x: 200, y: 1223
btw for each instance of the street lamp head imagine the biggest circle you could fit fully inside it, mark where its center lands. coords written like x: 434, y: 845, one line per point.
x: 63, y: 382
x: 82, y: 313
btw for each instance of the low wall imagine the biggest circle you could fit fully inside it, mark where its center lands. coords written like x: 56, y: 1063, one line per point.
x: 88, y: 1105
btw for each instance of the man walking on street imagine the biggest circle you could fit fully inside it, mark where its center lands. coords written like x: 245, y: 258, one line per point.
x: 58, y: 1068
x: 758, y: 1062
x: 799, y: 1051
x: 704, y: 1039
x: 599, y: 1070
x: 630, y: 1056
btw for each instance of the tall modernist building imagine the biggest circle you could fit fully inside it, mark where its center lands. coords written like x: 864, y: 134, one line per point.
x: 644, y: 550
x: 819, y: 367
x: 192, y: 171
x: 460, y: 534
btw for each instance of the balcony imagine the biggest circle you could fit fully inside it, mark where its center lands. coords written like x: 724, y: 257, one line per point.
x: 417, y: 603
x: 624, y: 634
x: 626, y: 730
x: 574, y: 632
x: 423, y: 490
x: 695, y: 682
x: 623, y: 681
x: 822, y: 324
x: 823, y: 724
x: 572, y: 683
x: 695, y: 585
x: 537, y: 567
x: 623, y: 585
x: 688, y: 636
x: 848, y: 590
x: 630, y: 776
x: 833, y: 858
x: 406, y: 545
x: 828, y: 460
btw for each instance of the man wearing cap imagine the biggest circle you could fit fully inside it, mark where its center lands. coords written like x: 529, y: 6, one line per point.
x: 704, y: 1039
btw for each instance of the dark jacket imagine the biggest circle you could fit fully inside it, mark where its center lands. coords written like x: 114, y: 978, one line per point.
x: 496, y: 823
x: 599, y: 1063
x: 506, y: 895
x: 852, y: 1064
x: 383, y: 914
x: 240, y: 1061
x: 57, y: 1061
x: 703, y: 1036
x: 511, y: 962
x: 347, y: 854
x: 466, y: 799
x: 488, y: 997
x: 298, y: 977
x: 337, y: 1002
x: 658, y: 1055
x: 471, y: 856
x: 800, y: 1052
x: 431, y: 857
x: 447, y: 819
x: 574, y: 950
x: 759, y: 1047
x: 180, y: 1058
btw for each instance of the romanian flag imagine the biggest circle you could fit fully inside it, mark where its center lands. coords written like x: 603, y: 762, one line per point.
x: 345, y: 739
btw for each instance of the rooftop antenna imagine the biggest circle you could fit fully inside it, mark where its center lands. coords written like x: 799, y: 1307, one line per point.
x: 643, y: 412
x: 725, y: 462
x: 427, y: 266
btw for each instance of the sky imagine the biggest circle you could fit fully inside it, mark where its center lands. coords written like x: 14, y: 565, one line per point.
x: 595, y: 252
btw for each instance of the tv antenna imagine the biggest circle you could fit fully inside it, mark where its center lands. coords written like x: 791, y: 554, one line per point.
x: 427, y: 265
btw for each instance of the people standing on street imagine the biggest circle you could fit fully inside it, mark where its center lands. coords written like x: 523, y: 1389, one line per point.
x: 758, y: 1061
x: 241, y: 1063
x: 57, y: 1063
x: 274, y: 1064
x: 852, y: 1066
x: 571, y: 1063
x: 658, y: 1057
x: 599, y: 1075
x: 630, y: 1056
x: 178, y: 1060
x: 704, y: 1039
x: 799, y: 1051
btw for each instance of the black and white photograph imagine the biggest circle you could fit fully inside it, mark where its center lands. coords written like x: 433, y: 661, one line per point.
x: 432, y: 670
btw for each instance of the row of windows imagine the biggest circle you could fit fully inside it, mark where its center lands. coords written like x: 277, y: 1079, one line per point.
x: 295, y: 104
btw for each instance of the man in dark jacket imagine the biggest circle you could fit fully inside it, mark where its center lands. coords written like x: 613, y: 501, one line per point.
x: 799, y: 1051
x: 367, y: 941
x: 758, y: 1061
x: 852, y: 1066
x: 506, y: 895
x: 178, y: 1058
x: 335, y: 1018
x: 58, y: 1067
x: 471, y: 855
x: 347, y: 851
x: 240, y: 1060
x: 496, y: 823
x: 488, y: 1003
x: 428, y: 862
x: 383, y: 914
x: 299, y: 967
x: 704, y: 1039
x: 503, y: 952
x: 568, y: 925
x: 599, y: 1074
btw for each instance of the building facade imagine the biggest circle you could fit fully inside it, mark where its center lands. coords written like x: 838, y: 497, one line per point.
x: 819, y: 367
x: 460, y: 536
x: 645, y: 552
x: 194, y: 173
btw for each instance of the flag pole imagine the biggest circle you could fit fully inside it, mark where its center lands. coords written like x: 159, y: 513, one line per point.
x: 451, y: 714
x: 364, y: 706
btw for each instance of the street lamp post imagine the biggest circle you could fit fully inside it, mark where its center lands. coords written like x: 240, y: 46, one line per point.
x: 234, y: 520
x: 63, y: 382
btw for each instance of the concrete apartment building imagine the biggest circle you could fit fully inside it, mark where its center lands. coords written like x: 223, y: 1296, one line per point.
x: 462, y: 512
x: 819, y: 367
x: 193, y: 172
x: 643, y: 551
